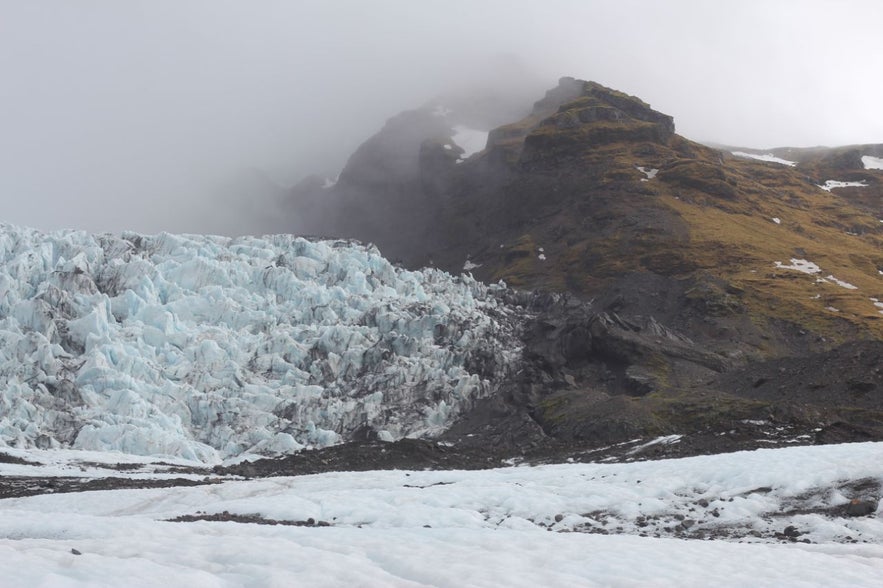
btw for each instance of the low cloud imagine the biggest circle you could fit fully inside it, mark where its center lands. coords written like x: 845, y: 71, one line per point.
x: 182, y: 116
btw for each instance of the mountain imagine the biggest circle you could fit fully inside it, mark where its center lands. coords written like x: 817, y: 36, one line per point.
x: 705, y: 262
x: 597, y: 279
x: 567, y: 200
x: 614, y: 293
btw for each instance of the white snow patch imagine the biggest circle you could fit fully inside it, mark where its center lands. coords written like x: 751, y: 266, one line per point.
x: 800, y: 265
x: 776, y: 220
x: 471, y: 141
x: 832, y: 309
x: 329, y: 183
x: 541, y: 257
x: 831, y: 184
x: 871, y: 162
x: 841, y: 283
x: 449, y: 147
x: 650, y: 173
x: 765, y: 157
x: 469, y: 266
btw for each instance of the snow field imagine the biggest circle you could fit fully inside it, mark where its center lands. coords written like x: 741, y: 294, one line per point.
x: 525, y: 497
x: 507, y: 526
x: 208, y: 347
x: 167, y: 555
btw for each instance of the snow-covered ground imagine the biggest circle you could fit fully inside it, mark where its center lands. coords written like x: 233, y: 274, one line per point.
x: 555, y: 525
x: 208, y: 347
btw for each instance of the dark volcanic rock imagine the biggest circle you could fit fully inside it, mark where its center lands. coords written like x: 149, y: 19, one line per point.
x: 850, y: 375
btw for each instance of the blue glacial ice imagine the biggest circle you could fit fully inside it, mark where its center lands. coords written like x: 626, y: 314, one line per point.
x: 208, y: 347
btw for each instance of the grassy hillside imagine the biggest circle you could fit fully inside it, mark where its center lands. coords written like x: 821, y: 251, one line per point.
x: 576, y: 213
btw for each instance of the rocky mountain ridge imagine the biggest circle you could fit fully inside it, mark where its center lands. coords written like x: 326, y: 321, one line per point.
x: 693, y: 265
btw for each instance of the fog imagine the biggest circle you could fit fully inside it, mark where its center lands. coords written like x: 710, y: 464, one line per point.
x: 174, y: 114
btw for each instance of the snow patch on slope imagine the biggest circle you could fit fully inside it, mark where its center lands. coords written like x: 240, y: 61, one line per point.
x: 650, y: 173
x: 872, y: 162
x: 207, y: 347
x: 800, y: 265
x: 765, y: 157
x: 841, y: 283
x: 832, y: 184
x: 808, y: 267
x: 471, y: 141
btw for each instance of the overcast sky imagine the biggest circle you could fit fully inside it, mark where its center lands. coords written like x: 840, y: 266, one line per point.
x: 147, y: 115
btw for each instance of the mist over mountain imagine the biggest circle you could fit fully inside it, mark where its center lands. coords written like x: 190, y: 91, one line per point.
x: 616, y: 281
x: 140, y: 116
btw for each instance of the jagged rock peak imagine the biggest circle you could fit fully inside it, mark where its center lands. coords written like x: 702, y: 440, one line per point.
x: 584, y: 116
x: 579, y: 114
x: 596, y: 103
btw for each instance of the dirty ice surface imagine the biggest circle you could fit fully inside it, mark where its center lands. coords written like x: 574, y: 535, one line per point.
x: 808, y: 267
x: 772, y: 517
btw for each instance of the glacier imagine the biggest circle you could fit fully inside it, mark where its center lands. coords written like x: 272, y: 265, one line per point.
x: 209, y: 347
